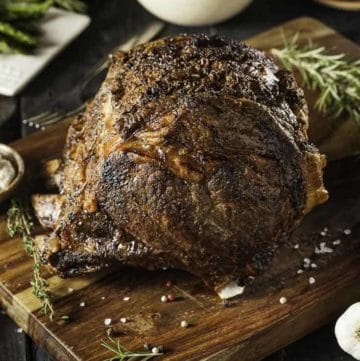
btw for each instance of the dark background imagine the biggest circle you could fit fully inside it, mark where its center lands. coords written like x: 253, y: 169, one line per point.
x: 113, y: 21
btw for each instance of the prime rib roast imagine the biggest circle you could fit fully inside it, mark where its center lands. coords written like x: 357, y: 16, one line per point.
x: 193, y: 155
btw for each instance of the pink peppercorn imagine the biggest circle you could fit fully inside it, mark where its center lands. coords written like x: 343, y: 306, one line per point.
x: 171, y: 297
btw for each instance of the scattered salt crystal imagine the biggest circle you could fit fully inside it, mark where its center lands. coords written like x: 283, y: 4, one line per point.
x: 70, y: 290
x: 300, y: 271
x: 107, y: 321
x: 7, y: 173
x: 103, y: 297
x: 312, y: 280
x: 296, y: 246
x: 337, y: 242
x: 82, y: 304
x: 126, y: 298
x: 347, y: 231
x: 323, y: 249
x: 313, y: 265
x: 155, y: 350
x: 283, y: 300
x: 322, y: 233
x: 325, y: 229
x: 164, y: 299
x: 19, y: 330
x: 184, y: 324
x: 123, y: 319
x: 307, y: 260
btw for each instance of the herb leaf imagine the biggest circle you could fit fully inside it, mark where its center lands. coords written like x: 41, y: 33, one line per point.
x: 121, y: 353
x: 336, y: 78
x: 20, y: 223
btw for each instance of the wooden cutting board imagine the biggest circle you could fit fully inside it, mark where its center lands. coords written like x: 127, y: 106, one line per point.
x: 254, y: 325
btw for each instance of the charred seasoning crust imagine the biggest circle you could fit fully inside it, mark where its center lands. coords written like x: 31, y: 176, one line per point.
x: 194, y: 153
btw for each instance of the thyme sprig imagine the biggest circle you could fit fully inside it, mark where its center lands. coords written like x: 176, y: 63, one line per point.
x: 121, y: 353
x: 335, y: 77
x: 20, y: 223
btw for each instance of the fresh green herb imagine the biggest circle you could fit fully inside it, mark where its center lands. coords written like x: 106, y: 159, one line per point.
x: 336, y: 78
x: 17, y: 15
x: 12, y: 32
x: 72, y: 5
x: 14, y: 10
x: 20, y: 223
x: 123, y: 354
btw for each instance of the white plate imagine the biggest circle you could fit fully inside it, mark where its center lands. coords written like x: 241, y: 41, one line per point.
x: 58, y: 29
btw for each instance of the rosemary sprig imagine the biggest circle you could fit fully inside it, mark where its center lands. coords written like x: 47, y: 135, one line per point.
x: 121, y: 353
x: 336, y: 78
x: 20, y: 223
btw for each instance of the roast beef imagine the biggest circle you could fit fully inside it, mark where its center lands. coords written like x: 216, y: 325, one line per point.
x: 193, y: 155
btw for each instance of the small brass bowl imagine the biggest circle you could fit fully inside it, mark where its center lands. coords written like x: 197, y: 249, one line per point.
x: 18, y: 164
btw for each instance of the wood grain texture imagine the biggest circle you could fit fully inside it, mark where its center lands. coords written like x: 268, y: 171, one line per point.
x: 252, y: 327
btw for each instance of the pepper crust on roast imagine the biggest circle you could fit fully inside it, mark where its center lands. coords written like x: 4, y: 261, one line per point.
x: 193, y: 155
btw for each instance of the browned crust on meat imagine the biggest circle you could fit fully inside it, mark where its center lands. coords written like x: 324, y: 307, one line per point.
x: 194, y: 153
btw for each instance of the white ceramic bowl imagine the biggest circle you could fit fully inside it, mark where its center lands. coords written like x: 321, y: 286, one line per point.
x: 18, y: 163
x: 194, y: 12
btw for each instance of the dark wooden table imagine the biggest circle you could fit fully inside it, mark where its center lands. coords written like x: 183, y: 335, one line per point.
x: 113, y: 21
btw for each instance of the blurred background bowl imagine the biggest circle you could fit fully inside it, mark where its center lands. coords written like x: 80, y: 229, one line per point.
x: 194, y: 12
x: 18, y: 164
